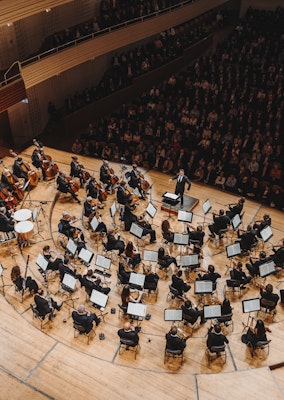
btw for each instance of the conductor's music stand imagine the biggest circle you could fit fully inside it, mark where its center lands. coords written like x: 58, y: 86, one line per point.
x: 232, y: 251
x: 171, y: 199
x: 136, y: 231
x: 186, y: 218
x: 86, y: 256
x: 2, y: 279
x: 100, y: 301
x: 69, y: 285
x: 249, y: 306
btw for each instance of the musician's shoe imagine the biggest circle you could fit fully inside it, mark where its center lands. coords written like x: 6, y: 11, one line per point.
x: 212, y: 235
x: 153, y: 241
x: 78, y: 201
x: 98, y: 321
x: 142, y: 198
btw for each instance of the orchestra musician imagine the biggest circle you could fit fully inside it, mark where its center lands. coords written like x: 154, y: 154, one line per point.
x: 239, y: 275
x: 131, y: 253
x: 76, y: 170
x: 253, y: 266
x: 261, y: 224
x: 165, y: 260
x: 18, y: 170
x: 173, y: 341
x: 11, y: 183
x: 22, y: 283
x: 182, y: 180
x: 53, y: 262
x: 65, y: 226
x: 113, y: 243
x: 196, y: 235
x: 151, y: 278
x: 67, y: 268
x: 179, y: 284
x: 220, y: 222
x: 278, y: 255
x: 167, y: 232
x: 247, y: 238
x: 123, y: 275
x: 85, y: 318
x: 255, y: 334
x: 105, y: 177
x: 266, y: 292
x: 135, y: 181
x: 90, y: 211
x: 210, y: 275
x: 127, y: 297
x: 236, y: 208
x: 147, y: 228
x: 216, y: 337
x: 190, y: 312
x: 37, y: 162
x: 45, y: 304
x: 92, y: 282
x: 129, y: 332
x: 6, y: 222
x: 94, y: 189
x: 63, y: 185
x: 122, y: 197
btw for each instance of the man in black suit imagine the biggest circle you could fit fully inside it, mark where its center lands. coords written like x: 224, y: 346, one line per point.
x: 129, y: 332
x: 135, y: 181
x: 64, y: 187
x: 210, y: 275
x: 268, y: 294
x: 37, y: 162
x: 174, y: 342
x: 247, y: 239
x: 182, y: 180
x: 91, y: 282
x: 44, y: 305
x: 76, y: 171
x: 121, y: 196
x: 179, y: 284
x: 85, y: 318
x: 235, y: 209
x: 6, y: 223
x: 220, y: 222
x: 237, y: 274
x: 104, y: 175
x: 18, y: 170
x: 215, y: 338
x: 278, y: 256
x: 253, y: 267
x: 259, y: 225
x: 190, y: 313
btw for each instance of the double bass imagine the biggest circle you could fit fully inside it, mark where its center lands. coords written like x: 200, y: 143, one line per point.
x: 145, y: 185
x: 85, y: 174
x: 102, y: 192
x: 13, y: 181
x: 32, y: 175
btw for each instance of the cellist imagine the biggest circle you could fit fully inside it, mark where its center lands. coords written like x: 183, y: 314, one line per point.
x: 64, y: 186
x: 18, y: 170
x: 37, y: 162
x: 75, y: 170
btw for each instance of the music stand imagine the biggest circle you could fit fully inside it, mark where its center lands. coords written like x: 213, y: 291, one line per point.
x: 171, y: 199
x: 71, y: 248
x: 206, y: 207
x: 232, y: 251
x: 69, y: 285
x: 267, y: 269
x: 203, y: 288
x: 42, y: 262
x: 181, y: 239
x: 112, y: 212
x: 151, y: 210
x: 173, y: 315
x: 136, y: 311
x: 150, y: 255
x: 136, y: 231
x: 35, y: 216
x: 211, y: 312
x: 248, y: 306
x: 236, y: 222
x: 137, y: 281
x: 28, y: 196
x: 189, y: 262
x: 86, y: 256
x: 185, y: 217
x: 104, y: 263
x: 2, y: 279
x: 266, y: 233
x: 94, y: 223
x: 100, y: 301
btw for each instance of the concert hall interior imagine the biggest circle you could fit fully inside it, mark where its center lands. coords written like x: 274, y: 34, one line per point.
x: 126, y: 255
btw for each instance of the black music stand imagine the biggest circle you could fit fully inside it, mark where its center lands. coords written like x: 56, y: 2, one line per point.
x: 203, y: 288
x: 249, y: 306
x: 136, y: 231
x: 105, y: 263
x: 71, y: 248
x: 212, y: 312
x: 137, y: 311
x: 189, y: 263
x: 266, y: 234
x: 150, y: 255
x: 100, y: 301
x: 232, y: 251
x: 28, y: 195
x: 181, y: 239
x: 171, y: 199
x: 112, y: 212
x: 136, y: 281
x: 186, y: 218
x: 266, y: 269
x: 173, y: 315
x: 206, y: 207
x: 86, y: 256
x: 69, y: 285
x: 151, y: 210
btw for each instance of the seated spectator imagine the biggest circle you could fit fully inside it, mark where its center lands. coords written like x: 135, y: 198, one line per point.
x: 84, y: 318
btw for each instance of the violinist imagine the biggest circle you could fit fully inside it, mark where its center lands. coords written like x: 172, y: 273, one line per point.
x: 122, y: 197
x: 147, y: 228
x: 196, y: 235
x: 67, y: 268
x: 65, y: 226
x: 247, y: 238
x: 220, y: 222
x: 94, y: 189
x: 105, y: 177
x: 135, y: 181
x: 53, y: 262
x: 113, y: 243
x: 45, y: 304
x: 90, y: 212
x: 235, y: 209
x: 37, y: 162
x: 261, y: 224
x: 63, y: 185
x: 6, y: 222
x: 278, y: 254
x: 76, y: 171
x: 18, y: 170
x: 92, y: 282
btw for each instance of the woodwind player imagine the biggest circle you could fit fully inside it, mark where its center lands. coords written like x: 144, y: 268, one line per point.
x: 45, y: 304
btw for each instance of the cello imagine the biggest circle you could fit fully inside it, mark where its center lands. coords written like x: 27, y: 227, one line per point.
x: 51, y: 169
x: 113, y: 178
x: 15, y: 183
x: 32, y: 175
x: 73, y: 185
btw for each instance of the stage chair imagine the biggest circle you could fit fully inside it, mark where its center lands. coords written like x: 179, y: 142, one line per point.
x: 187, y: 321
x: 216, y: 352
x: 80, y: 330
x: 122, y: 311
x: 153, y: 292
x: 174, y: 354
x: 227, y: 320
x: 173, y: 294
x: 46, y: 318
x: 233, y: 286
x: 128, y: 345
x: 261, y: 346
x: 268, y: 308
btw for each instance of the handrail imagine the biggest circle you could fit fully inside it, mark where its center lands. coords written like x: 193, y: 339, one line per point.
x: 6, y: 80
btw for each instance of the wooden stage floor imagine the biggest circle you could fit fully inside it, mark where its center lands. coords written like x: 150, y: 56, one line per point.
x: 52, y: 364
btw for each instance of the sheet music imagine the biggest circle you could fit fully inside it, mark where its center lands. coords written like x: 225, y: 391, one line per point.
x: 1, y: 270
x: 251, y: 305
x: 34, y: 214
x: 203, y: 287
x: 136, y: 230
x: 98, y: 298
x: 189, y: 260
x: 206, y: 206
x: 150, y: 255
x: 180, y: 238
x: 171, y: 196
x: 69, y: 281
x: 267, y: 269
x: 103, y: 262
x: 136, y: 309
x: 266, y: 233
x: 137, y: 279
x: 233, y: 250
x: 112, y: 209
x: 236, y: 221
x: 212, y: 311
x: 94, y: 223
x: 86, y: 255
x: 184, y: 216
x: 42, y: 262
x: 71, y: 247
x: 151, y: 210
x: 173, y: 315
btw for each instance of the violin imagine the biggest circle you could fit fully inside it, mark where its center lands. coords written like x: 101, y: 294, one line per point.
x: 32, y: 175
x: 73, y: 185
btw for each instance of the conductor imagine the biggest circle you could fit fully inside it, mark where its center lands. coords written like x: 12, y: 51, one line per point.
x: 180, y: 185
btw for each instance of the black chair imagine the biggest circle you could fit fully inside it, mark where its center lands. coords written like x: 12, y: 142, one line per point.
x: 187, y: 320
x: 80, y: 330
x: 122, y: 310
x: 227, y: 320
x: 42, y: 319
x: 174, y: 354
x: 260, y: 346
x: 216, y: 352
x: 128, y: 345
x: 268, y: 308
x: 173, y: 294
x: 233, y: 286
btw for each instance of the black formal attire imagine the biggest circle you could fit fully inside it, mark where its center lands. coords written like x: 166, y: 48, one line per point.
x: 43, y: 305
x: 92, y: 190
x: 105, y: 177
x: 151, y: 281
x: 123, y: 275
x: 53, y: 265
x: 168, y: 236
x: 191, y: 314
x: 261, y: 225
x: 196, y: 235
x: 211, y: 276
x: 121, y: 196
x: 75, y: 171
x: 128, y: 217
x: 179, y: 284
x: 174, y: 342
x: 66, y: 228
x: 278, y: 257
x: 64, y: 187
x: 248, y: 239
x: 180, y: 185
x: 30, y: 284
x: 135, y: 181
x: 37, y: 162
x: 114, y: 244
x: 65, y: 269
x: 234, y: 210
x: 240, y: 276
x: 94, y: 285
x: 18, y: 171
x: 85, y: 320
x: 165, y: 261
x: 147, y: 229
x: 220, y: 222
x: 129, y: 335
x: 215, y: 339
x: 6, y: 224
x: 253, y: 338
x: 269, y: 296
x: 253, y: 267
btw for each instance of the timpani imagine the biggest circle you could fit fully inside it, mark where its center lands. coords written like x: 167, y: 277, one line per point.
x: 24, y: 230
x: 22, y: 215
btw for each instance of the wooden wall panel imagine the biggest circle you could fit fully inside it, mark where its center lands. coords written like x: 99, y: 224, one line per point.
x: 12, y: 94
